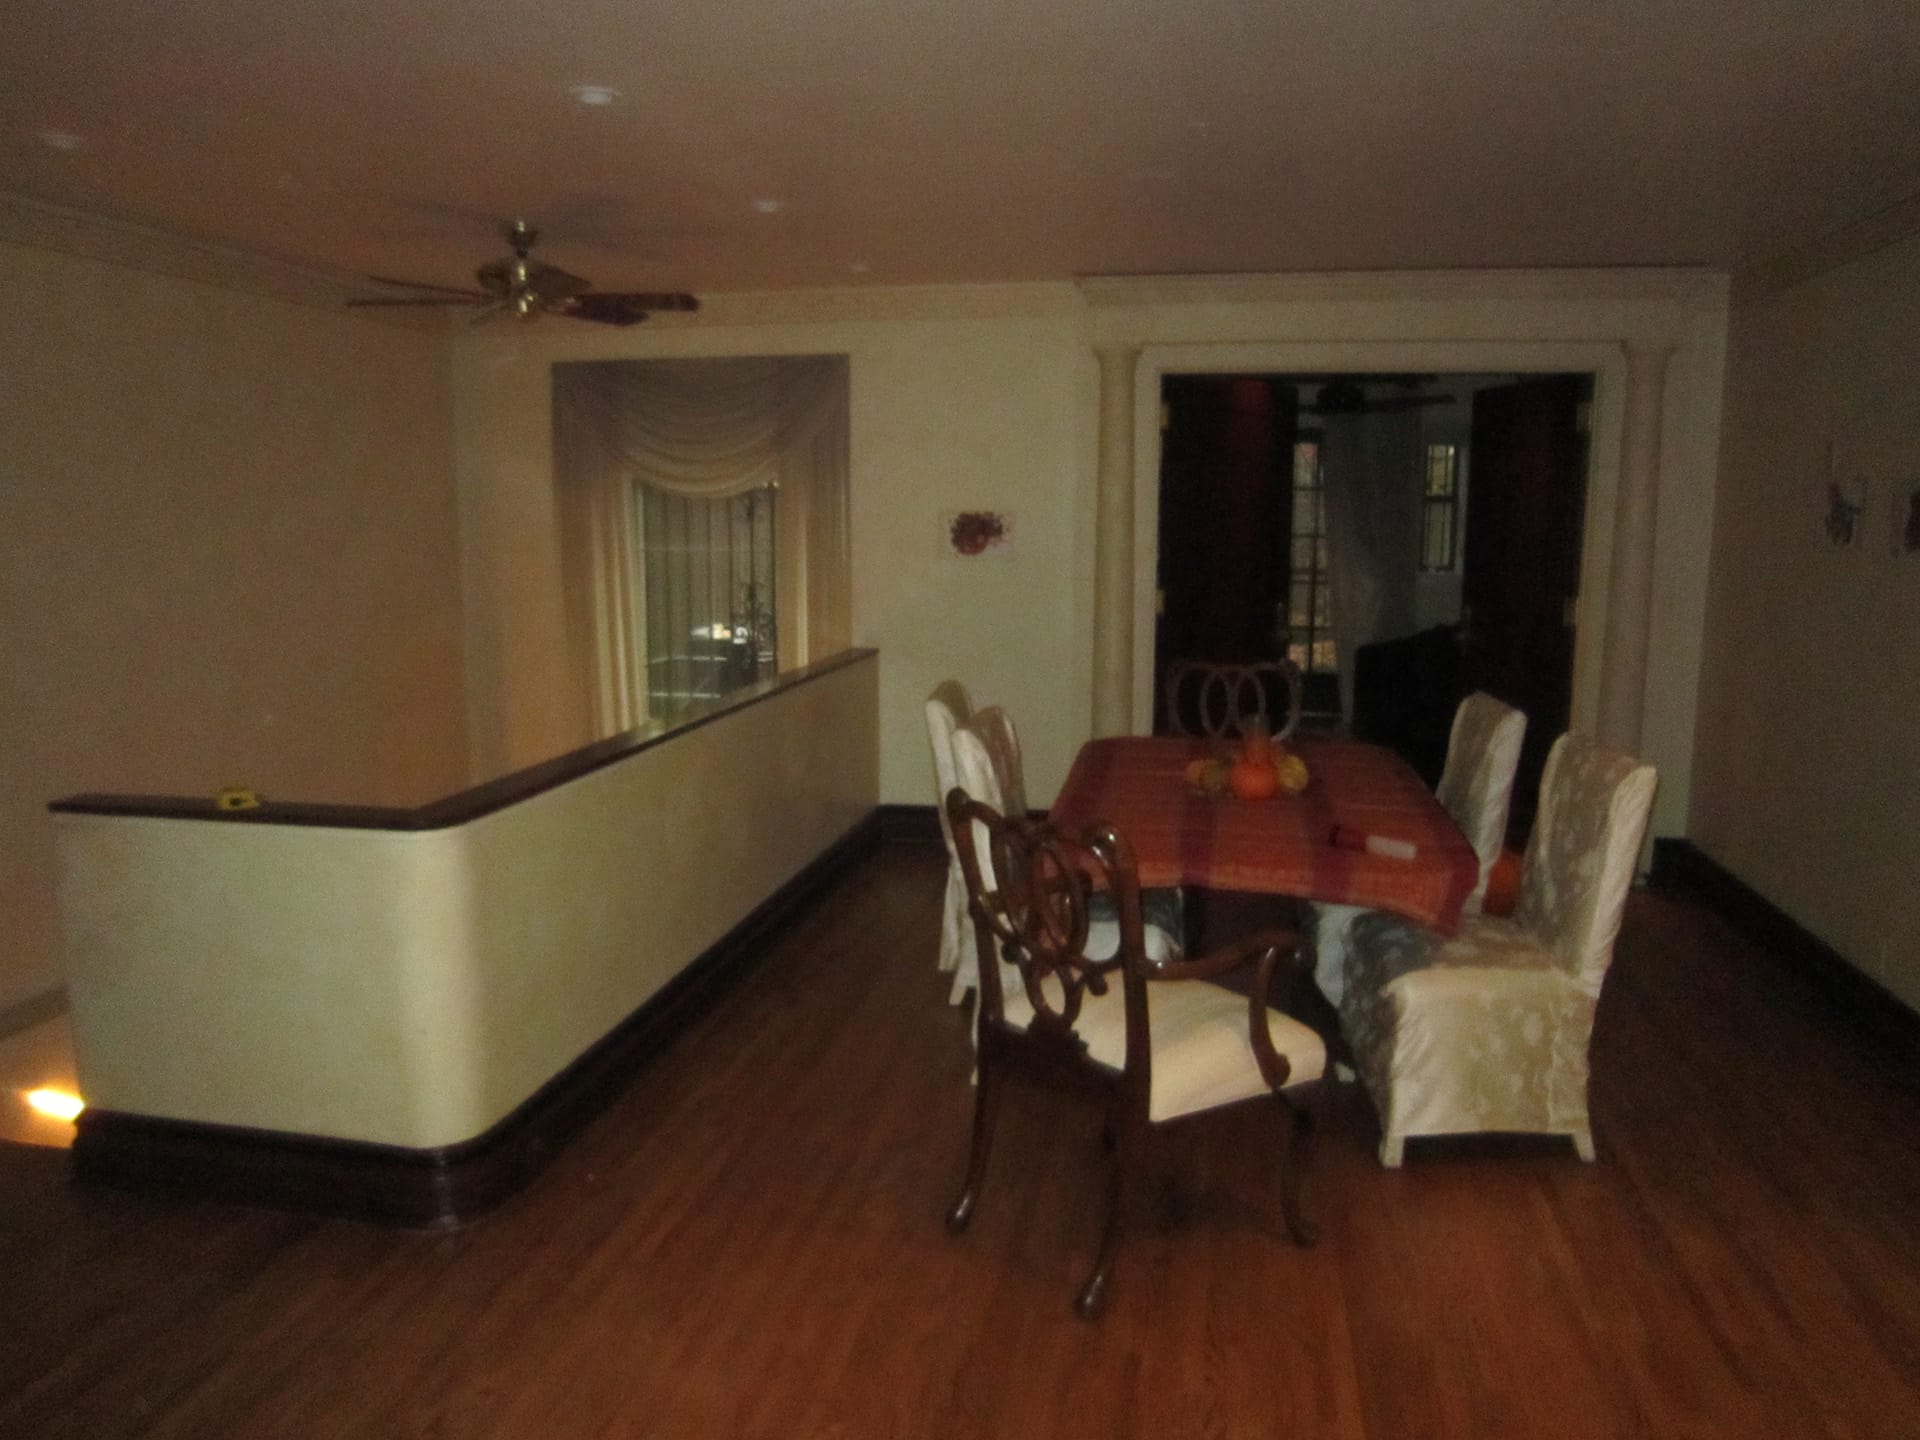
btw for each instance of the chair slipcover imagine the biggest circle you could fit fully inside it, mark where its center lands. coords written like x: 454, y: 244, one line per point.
x: 1476, y: 789
x: 1489, y: 1030
x: 947, y: 708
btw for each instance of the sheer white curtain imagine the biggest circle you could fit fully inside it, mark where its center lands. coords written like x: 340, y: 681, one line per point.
x: 1372, y: 468
x: 706, y: 429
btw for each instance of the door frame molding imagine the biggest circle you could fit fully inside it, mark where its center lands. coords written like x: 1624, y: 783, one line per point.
x: 1604, y: 360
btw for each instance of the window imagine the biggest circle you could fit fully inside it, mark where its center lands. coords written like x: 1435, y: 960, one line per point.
x: 1309, y: 606
x: 708, y: 571
x: 703, y: 509
x: 1440, y: 509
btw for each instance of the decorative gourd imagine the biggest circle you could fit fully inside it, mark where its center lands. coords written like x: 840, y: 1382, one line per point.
x: 1292, y: 772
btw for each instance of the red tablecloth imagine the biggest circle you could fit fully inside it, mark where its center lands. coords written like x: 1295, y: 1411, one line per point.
x: 1281, y: 846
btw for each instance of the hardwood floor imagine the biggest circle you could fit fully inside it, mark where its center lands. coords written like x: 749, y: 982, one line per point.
x: 749, y: 1244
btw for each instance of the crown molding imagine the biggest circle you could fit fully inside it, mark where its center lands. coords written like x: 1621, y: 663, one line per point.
x: 1898, y: 221
x: 87, y: 236
x: 883, y: 303
x: 1687, y: 285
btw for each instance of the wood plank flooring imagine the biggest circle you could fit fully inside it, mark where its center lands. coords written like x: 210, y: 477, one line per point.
x: 749, y: 1244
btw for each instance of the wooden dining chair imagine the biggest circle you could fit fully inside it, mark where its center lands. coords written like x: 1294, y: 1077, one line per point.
x: 1065, y: 997
x: 1216, y: 700
x: 1476, y: 790
x: 1488, y: 1030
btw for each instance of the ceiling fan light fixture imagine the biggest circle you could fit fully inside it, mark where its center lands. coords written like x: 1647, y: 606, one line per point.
x: 521, y: 286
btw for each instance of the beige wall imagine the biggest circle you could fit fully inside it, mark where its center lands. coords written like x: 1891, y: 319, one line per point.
x: 1808, y: 771
x: 960, y: 400
x: 413, y: 988
x: 989, y: 397
x: 228, y: 554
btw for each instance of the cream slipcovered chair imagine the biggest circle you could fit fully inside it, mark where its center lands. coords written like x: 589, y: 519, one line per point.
x: 1489, y: 1030
x: 1064, y: 996
x: 985, y: 752
x: 948, y: 707
x: 1476, y: 789
x: 948, y: 711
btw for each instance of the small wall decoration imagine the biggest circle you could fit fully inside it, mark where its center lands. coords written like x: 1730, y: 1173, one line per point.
x: 971, y: 533
x: 1843, y: 516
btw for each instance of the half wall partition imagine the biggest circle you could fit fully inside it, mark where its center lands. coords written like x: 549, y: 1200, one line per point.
x: 396, y: 1012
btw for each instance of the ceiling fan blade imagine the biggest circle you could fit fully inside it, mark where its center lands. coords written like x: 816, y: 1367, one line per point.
x: 550, y: 282
x: 654, y: 301
x: 366, y: 301
x: 423, y: 285
x: 602, y: 309
x: 614, y: 307
x: 1341, y: 398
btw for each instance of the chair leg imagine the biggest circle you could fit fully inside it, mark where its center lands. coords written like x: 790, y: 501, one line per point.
x: 1296, y: 1136
x: 1393, y: 1149
x: 1126, y: 1150
x: 986, y: 1110
x: 1583, y: 1144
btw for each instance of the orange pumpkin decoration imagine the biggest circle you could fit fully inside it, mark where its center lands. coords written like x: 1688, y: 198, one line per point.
x: 1252, y: 780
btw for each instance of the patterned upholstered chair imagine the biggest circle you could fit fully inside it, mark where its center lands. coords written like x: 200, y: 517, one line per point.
x: 1109, y: 1006
x: 1488, y: 1030
x: 1476, y: 789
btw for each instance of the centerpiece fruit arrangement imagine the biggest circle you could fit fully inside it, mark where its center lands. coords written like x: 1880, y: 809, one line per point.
x: 1259, y: 771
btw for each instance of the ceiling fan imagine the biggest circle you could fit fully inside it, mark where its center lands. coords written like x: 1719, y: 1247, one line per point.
x: 1344, y: 397
x: 521, y: 286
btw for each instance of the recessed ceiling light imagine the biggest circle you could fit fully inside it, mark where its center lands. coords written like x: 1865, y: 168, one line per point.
x: 62, y: 139
x: 859, y: 267
x: 767, y: 207
x: 595, y: 95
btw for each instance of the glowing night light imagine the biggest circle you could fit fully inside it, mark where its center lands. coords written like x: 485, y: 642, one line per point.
x: 56, y: 1103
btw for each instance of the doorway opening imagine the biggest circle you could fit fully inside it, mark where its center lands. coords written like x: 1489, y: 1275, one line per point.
x: 1403, y: 538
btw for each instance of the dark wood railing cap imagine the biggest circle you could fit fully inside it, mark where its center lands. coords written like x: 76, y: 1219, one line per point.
x: 470, y: 804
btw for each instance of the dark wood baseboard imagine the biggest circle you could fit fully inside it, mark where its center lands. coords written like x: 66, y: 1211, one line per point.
x: 910, y: 825
x: 1860, y: 1000
x: 447, y: 1185
x: 918, y: 824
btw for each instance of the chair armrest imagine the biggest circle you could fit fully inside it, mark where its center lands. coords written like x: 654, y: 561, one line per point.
x: 1231, y: 957
x: 1267, y: 949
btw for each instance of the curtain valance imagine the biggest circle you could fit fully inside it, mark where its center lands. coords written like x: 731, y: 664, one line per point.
x: 705, y: 428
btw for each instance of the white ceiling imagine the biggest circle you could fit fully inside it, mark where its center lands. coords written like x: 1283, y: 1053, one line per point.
x: 911, y: 141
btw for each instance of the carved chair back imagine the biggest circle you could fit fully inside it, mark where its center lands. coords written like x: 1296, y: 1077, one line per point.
x: 1204, y: 698
x: 1028, y: 885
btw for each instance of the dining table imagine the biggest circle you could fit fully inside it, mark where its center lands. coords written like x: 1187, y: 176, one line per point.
x: 1364, y: 831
